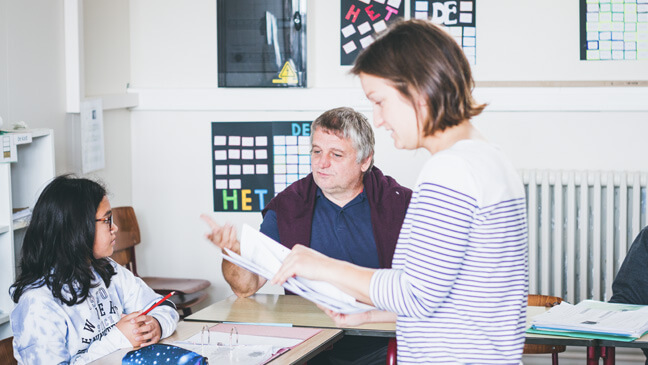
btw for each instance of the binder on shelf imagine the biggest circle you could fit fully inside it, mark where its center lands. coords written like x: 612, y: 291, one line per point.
x: 9, y: 140
x: 9, y: 152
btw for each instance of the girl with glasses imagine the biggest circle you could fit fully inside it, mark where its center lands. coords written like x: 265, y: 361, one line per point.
x: 74, y: 303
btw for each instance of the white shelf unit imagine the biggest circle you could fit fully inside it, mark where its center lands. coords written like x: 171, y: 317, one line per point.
x: 20, y: 184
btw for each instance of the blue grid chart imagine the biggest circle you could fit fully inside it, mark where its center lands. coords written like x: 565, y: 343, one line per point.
x: 614, y: 29
x: 457, y: 16
x: 291, y: 160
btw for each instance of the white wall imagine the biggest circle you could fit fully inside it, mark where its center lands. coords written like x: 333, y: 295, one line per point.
x: 106, y: 46
x: 538, y: 40
x: 33, y: 80
x: 116, y: 174
x: 32, y: 72
x: 570, y: 140
x: 4, y: 109
x: 105, y: 71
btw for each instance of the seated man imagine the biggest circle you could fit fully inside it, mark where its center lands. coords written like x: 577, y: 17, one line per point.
x: 631, y: 283
x: 346, y: 209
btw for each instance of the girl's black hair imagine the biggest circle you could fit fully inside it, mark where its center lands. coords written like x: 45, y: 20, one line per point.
x: 58, y: 247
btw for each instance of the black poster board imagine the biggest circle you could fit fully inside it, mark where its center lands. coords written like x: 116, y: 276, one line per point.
x: 459, y: 16
x: 254, y: 161
x: 360, y: 20
x: 261, y: 43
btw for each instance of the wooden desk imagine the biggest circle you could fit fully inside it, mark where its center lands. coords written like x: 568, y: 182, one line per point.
x: 275, y: 308
x: 298, y: 355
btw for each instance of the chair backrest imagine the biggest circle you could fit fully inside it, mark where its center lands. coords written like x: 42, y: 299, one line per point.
x: 537, y: 300
x: 6, y: 352
x: 128, y: 236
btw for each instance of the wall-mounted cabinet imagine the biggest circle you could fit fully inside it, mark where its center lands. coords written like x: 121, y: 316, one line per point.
x: 20, y: 185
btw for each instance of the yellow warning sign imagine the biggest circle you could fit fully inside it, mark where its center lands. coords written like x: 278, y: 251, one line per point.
x: 287, y: 75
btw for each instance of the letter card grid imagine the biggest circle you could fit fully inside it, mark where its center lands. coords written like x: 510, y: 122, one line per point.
x: 614, y: 29
x: 254, y: 161
x: 360, y: 20
x: 457, y: 16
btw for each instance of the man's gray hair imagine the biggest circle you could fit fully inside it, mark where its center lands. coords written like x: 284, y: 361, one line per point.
x: 347, y: 123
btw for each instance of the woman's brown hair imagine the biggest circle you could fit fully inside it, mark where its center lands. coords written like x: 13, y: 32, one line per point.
x: 419, y: 58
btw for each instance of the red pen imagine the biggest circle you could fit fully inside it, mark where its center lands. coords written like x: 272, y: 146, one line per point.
x: 158, y: 303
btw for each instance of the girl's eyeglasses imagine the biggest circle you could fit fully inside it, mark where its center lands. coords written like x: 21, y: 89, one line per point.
x: 107, y: 220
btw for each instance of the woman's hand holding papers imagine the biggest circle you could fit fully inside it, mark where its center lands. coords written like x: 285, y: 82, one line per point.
x: 305, y: 262
x: 310, y: 264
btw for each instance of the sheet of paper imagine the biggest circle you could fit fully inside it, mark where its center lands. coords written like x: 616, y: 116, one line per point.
x: 262, y: 255
x: 300, y: 288
x: 242, y: 355
x: 223, y: 339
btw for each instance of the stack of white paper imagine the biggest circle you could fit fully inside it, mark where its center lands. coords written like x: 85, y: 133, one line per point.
x: 591, y: 316
x: 263, y: 256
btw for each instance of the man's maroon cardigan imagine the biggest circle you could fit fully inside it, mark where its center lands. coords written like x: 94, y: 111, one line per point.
x: 388, y: 203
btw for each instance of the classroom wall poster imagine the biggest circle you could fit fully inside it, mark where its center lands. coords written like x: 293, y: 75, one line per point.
x: 92, y: 135
x: 614, y: 29
x: 254, y: 161
x: 457, y: 16
x: 361, y: 20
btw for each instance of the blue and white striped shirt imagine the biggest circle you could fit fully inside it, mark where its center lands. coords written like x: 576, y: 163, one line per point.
x: 459, y: 278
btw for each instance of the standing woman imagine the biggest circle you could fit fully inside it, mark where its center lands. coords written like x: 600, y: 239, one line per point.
x: 458, y: 284
x: 74, y: 303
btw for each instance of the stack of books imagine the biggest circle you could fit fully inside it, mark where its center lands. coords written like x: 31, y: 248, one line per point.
x: 593, y: 319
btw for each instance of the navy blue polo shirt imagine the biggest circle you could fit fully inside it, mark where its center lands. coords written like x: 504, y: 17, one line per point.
x: 344, y: 233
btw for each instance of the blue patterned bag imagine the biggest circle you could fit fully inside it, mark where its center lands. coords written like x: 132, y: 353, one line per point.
x: 163, y: 354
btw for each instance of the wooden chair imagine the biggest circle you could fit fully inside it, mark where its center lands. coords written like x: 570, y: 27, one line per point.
x: 6, y: 352
x: 189, y: 292
x: 544, y: 301
x: 391, y: 351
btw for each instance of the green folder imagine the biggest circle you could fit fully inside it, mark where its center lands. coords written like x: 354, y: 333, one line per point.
x: 599, y: 336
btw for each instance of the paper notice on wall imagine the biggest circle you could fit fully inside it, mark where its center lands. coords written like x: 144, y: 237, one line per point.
x: 8, y: 145
x: 92, y: 136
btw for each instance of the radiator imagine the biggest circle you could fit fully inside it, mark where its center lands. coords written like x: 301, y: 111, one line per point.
x: 581, y: 224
